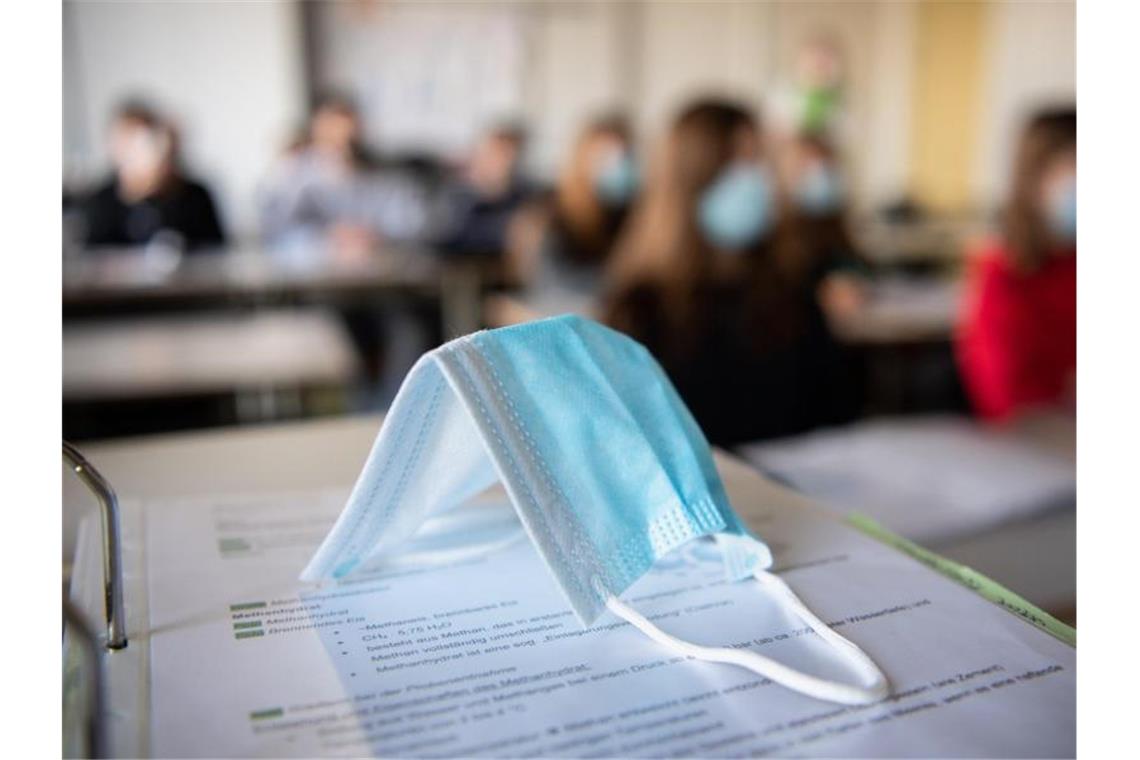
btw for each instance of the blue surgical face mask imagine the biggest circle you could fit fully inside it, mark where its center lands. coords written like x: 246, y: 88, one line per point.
x: 819, y: 191
x: 1062, y: 211
x: 738, y: 208
x: 605, y: 467
x: 616, y: 178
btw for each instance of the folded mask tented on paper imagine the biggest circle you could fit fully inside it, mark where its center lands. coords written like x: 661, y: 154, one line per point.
x: 603, y: 463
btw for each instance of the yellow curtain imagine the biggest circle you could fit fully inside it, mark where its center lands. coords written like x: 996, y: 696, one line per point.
x: 947, y: 100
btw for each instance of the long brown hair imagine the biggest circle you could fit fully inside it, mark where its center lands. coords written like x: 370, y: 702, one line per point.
x: 663, y: 247
x: 578, y: 210
x: 1048, y: 134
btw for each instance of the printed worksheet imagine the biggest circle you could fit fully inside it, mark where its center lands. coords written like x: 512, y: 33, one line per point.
x: 443, y: 652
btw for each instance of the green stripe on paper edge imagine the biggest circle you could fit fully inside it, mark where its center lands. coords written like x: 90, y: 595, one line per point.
x: 986, y: 587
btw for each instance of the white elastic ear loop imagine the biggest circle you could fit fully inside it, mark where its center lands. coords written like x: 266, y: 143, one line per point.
x: 831, y: 691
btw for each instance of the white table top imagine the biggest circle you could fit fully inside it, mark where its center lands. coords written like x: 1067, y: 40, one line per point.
x: 935, y: 479
x: 276, y: 458
x: 236, y: 459
x: 257, y: 460
x: 205, y: 353
x: 266, y: 459
x: 123, y: 275
x: 897, y: 311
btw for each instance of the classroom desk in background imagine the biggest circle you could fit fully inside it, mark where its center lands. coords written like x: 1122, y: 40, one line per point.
x: 156, y: 340
x: 1000, y: 499
x: 900, y: 337
x: 897, y: 311
x: 900, y: 311
x: 928, y: 244
x: 142, y: 279
x: 212, y: 353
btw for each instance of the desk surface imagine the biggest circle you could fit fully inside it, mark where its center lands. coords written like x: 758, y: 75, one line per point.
x: 897, y: 311
x: 117, y: 276
x: 261, y: 459
x: 242, y: 460
x: 205, y: 353
x: 247, y: 459
x: 264, y: 459
x: 932, y: 241
x: 329, y: 454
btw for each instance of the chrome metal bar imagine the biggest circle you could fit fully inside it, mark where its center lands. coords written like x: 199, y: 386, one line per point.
x: 112, y: 550
x: 94, y: 729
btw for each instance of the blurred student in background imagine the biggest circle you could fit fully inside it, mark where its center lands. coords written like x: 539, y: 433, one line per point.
x: 818, y: 206
x: 812, y: 102
x: 708, y: 278
x: 330, y: 194
x: 149, y: 194
x: 330, y: 197
x: 474, y: 211
x: 1017, y: 340
x: 574, y: 232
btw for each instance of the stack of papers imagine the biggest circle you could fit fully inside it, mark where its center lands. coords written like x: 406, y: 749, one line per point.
x: 484, y: 657
x: 935, y: 480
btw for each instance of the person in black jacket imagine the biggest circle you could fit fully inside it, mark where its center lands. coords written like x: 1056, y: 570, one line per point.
x: 149, y: 193
x: 475, y: 209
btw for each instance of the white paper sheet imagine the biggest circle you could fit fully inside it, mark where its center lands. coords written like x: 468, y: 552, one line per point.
x: 936, y: 479
x: 485, y: 658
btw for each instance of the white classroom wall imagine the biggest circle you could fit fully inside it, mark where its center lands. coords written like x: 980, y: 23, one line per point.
x: 432, y: 76
x: 1032, y: 53
x: 690, y: 49
x: 579, y: 68
x: 230, y: 73
x: 876, y: 39
x: 425, y: 75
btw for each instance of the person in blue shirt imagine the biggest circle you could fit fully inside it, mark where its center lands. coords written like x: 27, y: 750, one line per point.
x: 329, y: 194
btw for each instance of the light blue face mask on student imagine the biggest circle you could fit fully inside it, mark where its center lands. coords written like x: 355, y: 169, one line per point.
x: 819, y: 191
x: 738, y: 208
x: 616, y: 179
x: 605, y: 467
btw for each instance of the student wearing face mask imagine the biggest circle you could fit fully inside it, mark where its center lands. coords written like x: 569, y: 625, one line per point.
x: 149, y: 193
x: 708, y: 278
x: 474, y: 212
x: 818, y: 203
x: 1017, y: 337
x: 331, y: 195
x: 575, y: 230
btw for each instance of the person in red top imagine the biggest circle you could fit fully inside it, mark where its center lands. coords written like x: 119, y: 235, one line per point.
x: 1017, y: 339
